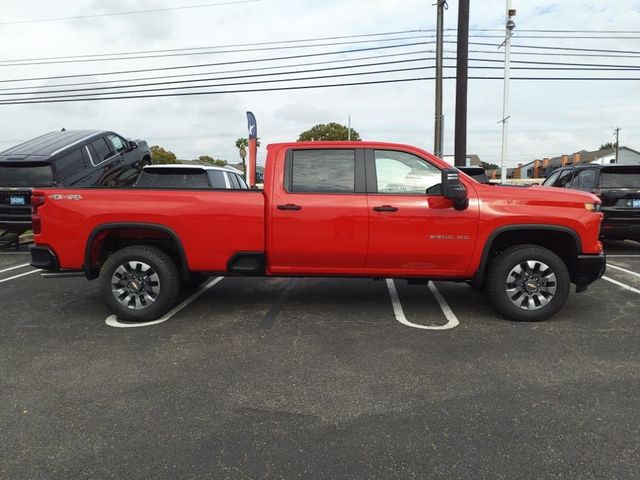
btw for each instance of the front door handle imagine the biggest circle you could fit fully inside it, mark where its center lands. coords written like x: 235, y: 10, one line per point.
x: 385, y: 208
x: 289, y: 206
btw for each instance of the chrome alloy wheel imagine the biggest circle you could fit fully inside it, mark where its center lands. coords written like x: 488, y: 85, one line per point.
x: 135, y: 285
x: 531, y: 285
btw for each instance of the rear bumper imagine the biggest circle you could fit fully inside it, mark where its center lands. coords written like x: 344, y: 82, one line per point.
x: 44, y: 258
x: 19, y: 225
x: 589, y: 268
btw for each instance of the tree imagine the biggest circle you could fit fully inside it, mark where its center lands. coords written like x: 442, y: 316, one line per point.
x: 328, y: 131
x: 489, y: 166
x: 242, y: 144
x: 607, y: 146
x: 207, y: 160
x: 160, y: 156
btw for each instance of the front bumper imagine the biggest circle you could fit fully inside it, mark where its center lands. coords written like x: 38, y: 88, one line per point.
x: 589, y: 268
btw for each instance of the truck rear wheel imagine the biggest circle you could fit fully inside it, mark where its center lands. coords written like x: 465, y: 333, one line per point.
x: 140, y: 283
x: 528, y: 283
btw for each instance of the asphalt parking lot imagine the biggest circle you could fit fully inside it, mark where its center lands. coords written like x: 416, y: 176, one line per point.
x: 318, y: 378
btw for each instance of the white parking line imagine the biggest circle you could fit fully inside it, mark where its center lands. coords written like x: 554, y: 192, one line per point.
x: 620, y: 284
x: 14, y: 268
x: 18, y: 276
x: 113, y: 321
x: 623, y: 269
x: 452, y: 320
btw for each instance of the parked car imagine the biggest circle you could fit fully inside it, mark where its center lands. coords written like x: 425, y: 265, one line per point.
x: 70, y: 158
x: 354, y: 209
x: 618, y: 187
x: 190, y: 176
x: 477, y: 173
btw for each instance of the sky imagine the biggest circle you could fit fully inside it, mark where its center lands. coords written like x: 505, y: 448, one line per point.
x: 547, y: 118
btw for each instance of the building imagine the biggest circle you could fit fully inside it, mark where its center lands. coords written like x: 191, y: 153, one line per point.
x: 541, y: 168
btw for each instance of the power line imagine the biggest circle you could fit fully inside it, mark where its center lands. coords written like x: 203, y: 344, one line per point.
x: 241, y: 70
x: 134, y: 12
x: 559, y: 48
x: 233, y: 45
x: 300, y: 87
x: 139, y: 85
x: 556, y: 66
x: 546, y: 30
x: 321, y: 77
x: 257, y: 49
x: 231, y: 62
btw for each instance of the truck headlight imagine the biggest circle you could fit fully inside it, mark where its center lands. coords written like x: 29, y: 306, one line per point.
x: 593, y: 207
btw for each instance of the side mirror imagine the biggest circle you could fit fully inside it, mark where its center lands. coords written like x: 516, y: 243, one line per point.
x: 453, y: 189
x: 132, y: 145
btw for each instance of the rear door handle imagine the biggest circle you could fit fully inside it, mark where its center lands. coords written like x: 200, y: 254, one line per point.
x: 385, y: 208
x: 289, y: 206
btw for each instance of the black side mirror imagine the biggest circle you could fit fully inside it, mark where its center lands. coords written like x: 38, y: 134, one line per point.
x: 453, y: 189
x: 132, y: 145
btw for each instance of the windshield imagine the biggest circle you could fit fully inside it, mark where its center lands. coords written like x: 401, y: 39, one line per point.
x: 627, y: 178
x: 25, y: 176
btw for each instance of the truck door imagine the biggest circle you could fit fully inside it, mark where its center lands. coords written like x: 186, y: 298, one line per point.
x: 319, y: 217
x: 411, y: 231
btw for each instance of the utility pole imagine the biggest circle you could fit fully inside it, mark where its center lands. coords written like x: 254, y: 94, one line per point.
x: 617, y: 145
x: 349, y: 132
x: 508, y: 33
x: 462, y: 78
x: 438, y: 131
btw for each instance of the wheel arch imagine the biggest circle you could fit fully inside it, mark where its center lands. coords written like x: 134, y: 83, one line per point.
x: 131, y: 233
x: 568, y: 244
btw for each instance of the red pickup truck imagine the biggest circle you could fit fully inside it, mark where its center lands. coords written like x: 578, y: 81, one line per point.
x: 353, y: 209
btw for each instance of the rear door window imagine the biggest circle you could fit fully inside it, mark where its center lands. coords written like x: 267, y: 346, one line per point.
x: 322, y: 171
x: 102, y: 150
x: 25, y: 175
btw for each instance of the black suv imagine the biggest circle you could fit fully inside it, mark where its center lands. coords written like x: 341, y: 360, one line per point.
x: 68, y: 158
x: 618, y: 186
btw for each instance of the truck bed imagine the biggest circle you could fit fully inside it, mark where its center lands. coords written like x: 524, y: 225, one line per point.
x: 212, y: 225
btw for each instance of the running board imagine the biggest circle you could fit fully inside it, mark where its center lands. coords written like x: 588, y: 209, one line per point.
x: 69, y: 274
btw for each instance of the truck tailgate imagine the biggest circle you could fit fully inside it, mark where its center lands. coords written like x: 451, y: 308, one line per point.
x: 211, y: 225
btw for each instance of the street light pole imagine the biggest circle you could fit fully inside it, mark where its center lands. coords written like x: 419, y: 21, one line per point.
x: 438, y: 131
x: 508, y: 33
x: 617, y: 145
x: 462, y: 79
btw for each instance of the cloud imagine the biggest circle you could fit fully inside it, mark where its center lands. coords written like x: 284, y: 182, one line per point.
x: 547, y: 118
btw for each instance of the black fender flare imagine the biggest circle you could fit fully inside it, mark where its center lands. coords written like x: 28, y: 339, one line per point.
x: 91, y: 273
x: 478, y: 278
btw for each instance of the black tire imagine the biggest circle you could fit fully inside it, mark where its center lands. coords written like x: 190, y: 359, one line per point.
x: 524, y: 291
x: 157, y: 287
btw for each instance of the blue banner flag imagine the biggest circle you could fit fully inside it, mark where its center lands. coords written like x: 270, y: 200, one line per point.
x: 253, y: 125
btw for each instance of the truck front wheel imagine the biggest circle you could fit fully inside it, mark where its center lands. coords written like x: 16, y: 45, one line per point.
x: 140, y: 283
x: 528, y: 283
